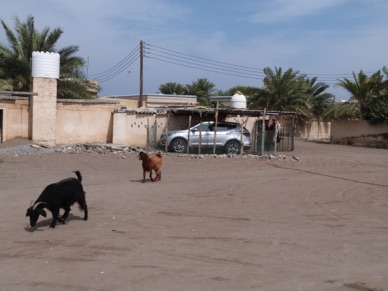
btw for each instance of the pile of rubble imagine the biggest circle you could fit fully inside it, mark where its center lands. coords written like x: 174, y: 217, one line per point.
x: 96, y: 149
x: 122, y: 150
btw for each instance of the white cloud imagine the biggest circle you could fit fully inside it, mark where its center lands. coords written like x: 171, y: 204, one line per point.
x: 106, y: 31
x: 284, y: 10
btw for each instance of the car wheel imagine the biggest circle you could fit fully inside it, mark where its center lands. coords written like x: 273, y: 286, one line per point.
x: 179, y: 145
x: 232, y: 147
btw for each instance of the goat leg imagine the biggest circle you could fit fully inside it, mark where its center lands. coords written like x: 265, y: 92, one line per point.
x: 158, y: 175
x: 152, y: 180
x: 86, y: 212
x: 55, y: 213
x: 65, y: 215
x: 144, y: 174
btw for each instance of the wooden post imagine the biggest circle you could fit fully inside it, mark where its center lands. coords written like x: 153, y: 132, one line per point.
x: 148, y: 134
x: 166, y: 131
x: 188, y: 136
x: 141, y: 74
x: 215, y: 130
x: 263, y: 132
x: 155, y: 132
x: 200, y: 133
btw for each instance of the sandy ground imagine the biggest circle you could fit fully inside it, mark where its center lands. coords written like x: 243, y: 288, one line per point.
x: 210, y: 224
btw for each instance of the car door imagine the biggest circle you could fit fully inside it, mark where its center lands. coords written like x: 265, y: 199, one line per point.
x: 195, y: 134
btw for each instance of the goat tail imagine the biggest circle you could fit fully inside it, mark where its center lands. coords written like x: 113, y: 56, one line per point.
x: 79, y: 176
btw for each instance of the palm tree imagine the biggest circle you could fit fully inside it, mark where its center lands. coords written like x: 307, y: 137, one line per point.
x: 203, y: 89
x: 172, y: 88
x: 319, y: 100
x: 343, y: 111
x: 282, y: 92
x: 245, y: 90
x: 370, y: 94
x: 15, y: 60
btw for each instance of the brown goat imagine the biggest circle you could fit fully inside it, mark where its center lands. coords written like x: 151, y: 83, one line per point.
x: 150, y: 164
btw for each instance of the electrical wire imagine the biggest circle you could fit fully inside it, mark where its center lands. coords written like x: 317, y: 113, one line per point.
x: 201, y: 63
x: 122, y: 65
x: 189, y: 61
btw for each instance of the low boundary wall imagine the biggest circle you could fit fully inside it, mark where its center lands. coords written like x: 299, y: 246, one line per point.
x: 359, y: 133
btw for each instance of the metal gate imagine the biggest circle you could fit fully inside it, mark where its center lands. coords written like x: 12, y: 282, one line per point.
x: 274, y: 142
x: 286, y: 141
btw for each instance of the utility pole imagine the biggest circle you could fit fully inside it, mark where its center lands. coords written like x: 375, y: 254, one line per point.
x: 141, y: 74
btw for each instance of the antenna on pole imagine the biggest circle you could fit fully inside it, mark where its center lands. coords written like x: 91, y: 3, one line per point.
x: 141, y: 74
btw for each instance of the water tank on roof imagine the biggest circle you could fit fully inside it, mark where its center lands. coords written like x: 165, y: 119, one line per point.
x: 238, y: 101
x: 45, y: 65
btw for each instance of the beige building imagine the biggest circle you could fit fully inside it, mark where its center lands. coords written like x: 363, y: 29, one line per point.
x: 139, y: 121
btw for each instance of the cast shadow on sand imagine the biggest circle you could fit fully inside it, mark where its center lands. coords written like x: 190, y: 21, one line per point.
x: 45, y: 223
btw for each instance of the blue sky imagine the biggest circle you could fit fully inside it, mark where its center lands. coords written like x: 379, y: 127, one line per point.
x: 328, y: 39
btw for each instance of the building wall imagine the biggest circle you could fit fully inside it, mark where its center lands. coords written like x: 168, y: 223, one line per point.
x: 314, y: 130
x: 79, y: 121
x: 84, y: 122
x: 359, y: 133
x: 137, y: 129
x: 16, y: 120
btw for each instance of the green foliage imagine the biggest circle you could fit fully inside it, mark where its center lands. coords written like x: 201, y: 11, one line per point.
x: 202, y: 88
x: 245, y: 90
x: 343, y: 111
x: 369, y: 94
x: 282, y: 92
x: 172, y: 88
x: 320, y: 101
x: 15, y: 65
x: 292, y: 91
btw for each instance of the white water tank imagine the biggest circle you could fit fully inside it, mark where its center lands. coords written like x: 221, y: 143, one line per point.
x: 238, y: 101
x: 45, y: 65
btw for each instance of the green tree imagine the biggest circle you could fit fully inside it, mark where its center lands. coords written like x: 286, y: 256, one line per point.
x: 369, y: 94
x: 320, y: 101
x: 245, y: 90
x: 282, y: 92
x: 172, y: 88
x: 222, y: 93
x: 343, y: 111
x: 203, y: 89
x: 15, y: 60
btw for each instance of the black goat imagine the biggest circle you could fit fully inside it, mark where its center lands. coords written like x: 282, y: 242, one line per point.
x: 62, y: 194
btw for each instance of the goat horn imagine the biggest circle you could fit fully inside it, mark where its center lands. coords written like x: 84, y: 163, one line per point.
x: 32, y: 201
x: 36, y: 205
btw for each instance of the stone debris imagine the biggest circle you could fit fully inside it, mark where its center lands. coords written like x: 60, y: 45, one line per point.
x: 122, y: 151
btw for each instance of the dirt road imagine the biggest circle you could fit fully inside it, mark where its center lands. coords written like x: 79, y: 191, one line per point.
x: 317, y: 223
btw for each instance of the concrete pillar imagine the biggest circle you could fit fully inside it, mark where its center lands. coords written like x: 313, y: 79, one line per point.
x: 45, y: 74
x: 44, y: 111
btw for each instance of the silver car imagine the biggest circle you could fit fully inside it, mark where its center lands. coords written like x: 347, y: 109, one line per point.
x: 228, y: 136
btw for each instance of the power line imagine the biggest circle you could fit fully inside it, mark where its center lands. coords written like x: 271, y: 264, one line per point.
x: 118, y: 71
x: 189, y: 61
x: 199, y: 60
x: 201, y: 68
x: 122, y: 65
